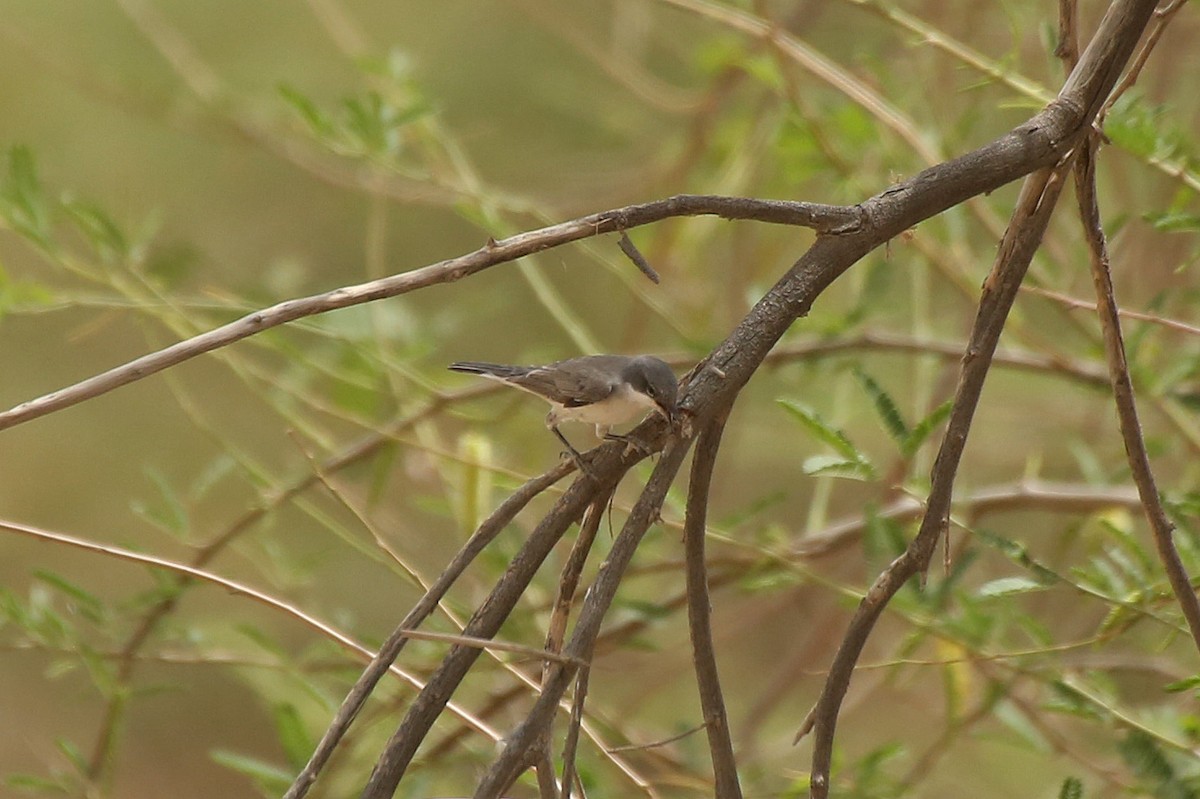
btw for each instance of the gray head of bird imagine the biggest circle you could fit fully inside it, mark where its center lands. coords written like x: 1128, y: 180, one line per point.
x: 650, y: 376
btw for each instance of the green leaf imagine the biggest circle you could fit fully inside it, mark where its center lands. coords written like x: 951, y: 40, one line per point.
x: 22, y: 294
x: 924, y: 428
x: 105, y: 236
x: 267, y: 776
x: 885, y: 406
x: 21, y: 200
x: 168, y: 513
x: 293, y: 737
x: 1173, y: 221
x: 1009, y: 585
x: 834, y: 466
x: 73, y: 755
x: 307, y: 110
x: 813, y: 422
x: 1072, y: 788
x: 32, y: 783
x: 87, y: 604
x: 1144, y: 757
x: 1183, y: 685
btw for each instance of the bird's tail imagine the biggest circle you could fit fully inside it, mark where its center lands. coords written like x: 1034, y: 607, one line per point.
x: 497, y: 370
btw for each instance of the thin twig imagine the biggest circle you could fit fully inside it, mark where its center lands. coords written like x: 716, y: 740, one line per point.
x: 1162, y: 18
x: 1122, y: 385
x: 712, y: 702
x: 1082, y: 371
x: 1025, y: 495
x: 660, y: 742
x: 1072, y: 302
x: 568, y: 584
x: 572, y: 742
x: 236, y: 587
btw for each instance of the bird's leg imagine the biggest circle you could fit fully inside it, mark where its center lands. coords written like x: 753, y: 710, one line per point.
x: 572, y: 452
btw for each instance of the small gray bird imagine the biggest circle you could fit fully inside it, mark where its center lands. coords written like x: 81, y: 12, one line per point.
x: 603, y: 390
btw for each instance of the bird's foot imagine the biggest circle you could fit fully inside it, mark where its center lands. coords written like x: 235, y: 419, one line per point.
x: 631, y: 444
x: 580, y: 463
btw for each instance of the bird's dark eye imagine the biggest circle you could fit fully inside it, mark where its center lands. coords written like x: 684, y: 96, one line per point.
x: 650, y: 390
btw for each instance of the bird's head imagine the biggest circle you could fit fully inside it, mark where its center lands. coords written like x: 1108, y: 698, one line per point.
x: 653, y: 378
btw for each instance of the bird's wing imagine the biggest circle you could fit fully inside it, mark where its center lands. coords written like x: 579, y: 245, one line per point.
x: 569, y: 383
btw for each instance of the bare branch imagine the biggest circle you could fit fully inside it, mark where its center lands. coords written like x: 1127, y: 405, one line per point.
x: 510, y: 763
x: 712, y: 702
x: 1034, y: 207
x: 1162, y: 18
x: 1122, y: 386
x: 1059, y: 497
x: 568, y: 584
x: 572, y: 742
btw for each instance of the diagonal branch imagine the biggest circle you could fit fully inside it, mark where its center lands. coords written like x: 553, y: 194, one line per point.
x: 1034, y: 208
x: 513, y: 760
x: 488, y: 618
x: 390, y: 649
x: 1122, y: 386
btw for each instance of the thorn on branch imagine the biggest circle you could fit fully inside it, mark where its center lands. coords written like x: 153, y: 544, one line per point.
x: 631, y: 252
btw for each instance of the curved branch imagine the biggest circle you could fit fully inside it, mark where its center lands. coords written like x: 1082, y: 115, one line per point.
x: 1038, y: 198
x: 1122, y: 386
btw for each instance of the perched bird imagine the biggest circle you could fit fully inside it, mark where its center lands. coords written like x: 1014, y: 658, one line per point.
x: 603, y: 390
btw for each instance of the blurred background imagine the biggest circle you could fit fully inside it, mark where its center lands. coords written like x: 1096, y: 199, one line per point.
x: 170, y: 166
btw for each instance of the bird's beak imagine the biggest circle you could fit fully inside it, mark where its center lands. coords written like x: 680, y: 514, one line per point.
x: 671, y: 414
